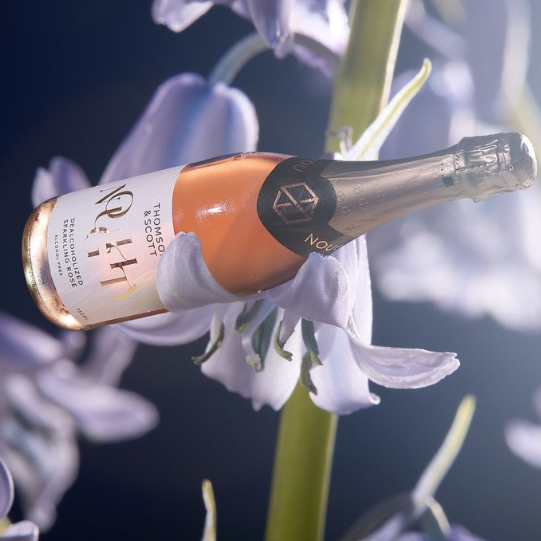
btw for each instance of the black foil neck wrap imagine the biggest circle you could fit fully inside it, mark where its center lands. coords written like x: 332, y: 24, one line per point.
x: 295, y: 205
x: 493, y: 164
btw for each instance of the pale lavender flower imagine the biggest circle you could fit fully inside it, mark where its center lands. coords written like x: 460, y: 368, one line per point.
x: 186, y: 120
x: 326, y: 335
x: 189, y: 120
x: 21, y: 531
x: 473, y: 258
x: 251, y: 362
x: 524, y: 437
x: 48, y: 397
x: 324, y: 21
x: 388, y: 520
x: 456, y: 533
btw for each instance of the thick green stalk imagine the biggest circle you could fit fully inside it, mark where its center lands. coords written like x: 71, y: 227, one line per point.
x: 302, y: 467
x: 363, y: 81
x: 305, y: 446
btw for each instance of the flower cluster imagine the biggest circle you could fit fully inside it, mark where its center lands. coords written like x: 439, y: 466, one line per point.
x: 48, y: 397
x: 472, y: 258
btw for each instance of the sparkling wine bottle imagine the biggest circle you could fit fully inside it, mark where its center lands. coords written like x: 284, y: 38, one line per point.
x: 90, y: 257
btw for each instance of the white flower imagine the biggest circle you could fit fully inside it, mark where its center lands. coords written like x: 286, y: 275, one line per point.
x: 334, y: 292
x: 21, y: 531
x: 47, y: 398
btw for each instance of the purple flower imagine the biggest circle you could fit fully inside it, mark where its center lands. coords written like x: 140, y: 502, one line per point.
x: 324, y: 21
x: 473, y: 258
x: 189, y: 120
x: 48, y: 397
x: 456, y: 533
x: 322, y: 339
x: 21, y: 531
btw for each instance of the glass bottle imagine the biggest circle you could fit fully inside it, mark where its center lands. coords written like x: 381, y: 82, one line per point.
x: 90, y: 257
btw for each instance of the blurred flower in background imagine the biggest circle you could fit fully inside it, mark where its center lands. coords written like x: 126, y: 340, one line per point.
x: 388, y: 520
x: 21, y: 531
x: 323, y: 21
x: 472, y: 258
x: 524, y: 437
x: 48, y: 395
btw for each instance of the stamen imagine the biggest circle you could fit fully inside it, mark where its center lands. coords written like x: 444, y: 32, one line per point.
x: 261, y: 340
x: 247, y: 315
x: 199, y: 360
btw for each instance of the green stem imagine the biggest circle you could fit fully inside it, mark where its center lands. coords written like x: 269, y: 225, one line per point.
x: 363, y: 81
x: 302, y: 468
x: 305, y: 446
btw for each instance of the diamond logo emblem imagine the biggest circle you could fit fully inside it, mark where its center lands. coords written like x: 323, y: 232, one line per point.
x: 295, y: 203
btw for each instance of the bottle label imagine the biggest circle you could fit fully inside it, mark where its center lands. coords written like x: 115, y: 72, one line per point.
x: 296, y: 204
x: 104, y: 245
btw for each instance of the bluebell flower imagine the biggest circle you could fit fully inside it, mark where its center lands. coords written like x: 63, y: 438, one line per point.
x: 389, y: 520
x: 49, y: 396
x: 472, y: 258
x: 322, y: 339
x: 456, y: 533
x: 323, y: 21
x: 188, y: 120
x: 21, y: 531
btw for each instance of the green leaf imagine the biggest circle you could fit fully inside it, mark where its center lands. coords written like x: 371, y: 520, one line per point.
x: 368, y: 145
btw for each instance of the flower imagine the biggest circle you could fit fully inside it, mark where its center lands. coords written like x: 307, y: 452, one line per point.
x: 331, y: 355
x: 333, y: 292
x: 456, y: 533
x: 474, y: 259
x: 220, y: 120
x: 393, y: 516
x: 324, y: 21
x: 524, y: 437
x: 21, y: 531
x: 48, y: 397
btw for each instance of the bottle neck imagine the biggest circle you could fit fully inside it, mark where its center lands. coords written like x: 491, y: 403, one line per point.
x: 320, y: 205
x: 371, y: 193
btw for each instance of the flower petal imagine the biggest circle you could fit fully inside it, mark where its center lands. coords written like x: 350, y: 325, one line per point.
x: 103, y: 414
x: 110, y: 353
x: 184, y: 281
x: 272, y: 386
x: 6, y: 490
x: 43, y: 466
x: 402, y: 368
x: 24, y: 347
x: 524, y: 439
x: 342, y: 387
x: 274, y: 22
x: 331, y: 304
x: 63, y: 176
x: 177, y: 15
x: 21, y: 531
x: 168, y: 329
x: 186, y: 121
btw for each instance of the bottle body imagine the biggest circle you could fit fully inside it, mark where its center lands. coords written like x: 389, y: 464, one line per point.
x: 91, y: 257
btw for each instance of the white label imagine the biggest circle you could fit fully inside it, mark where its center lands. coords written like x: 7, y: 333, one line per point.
x: 104, y: 245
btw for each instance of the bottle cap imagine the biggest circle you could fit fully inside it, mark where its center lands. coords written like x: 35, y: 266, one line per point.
x: 493, y: 164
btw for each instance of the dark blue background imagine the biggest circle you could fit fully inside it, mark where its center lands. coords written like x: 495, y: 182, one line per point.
x: 75, y: 76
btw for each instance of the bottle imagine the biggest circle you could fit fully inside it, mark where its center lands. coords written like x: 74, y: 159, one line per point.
x: 90, y: 257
